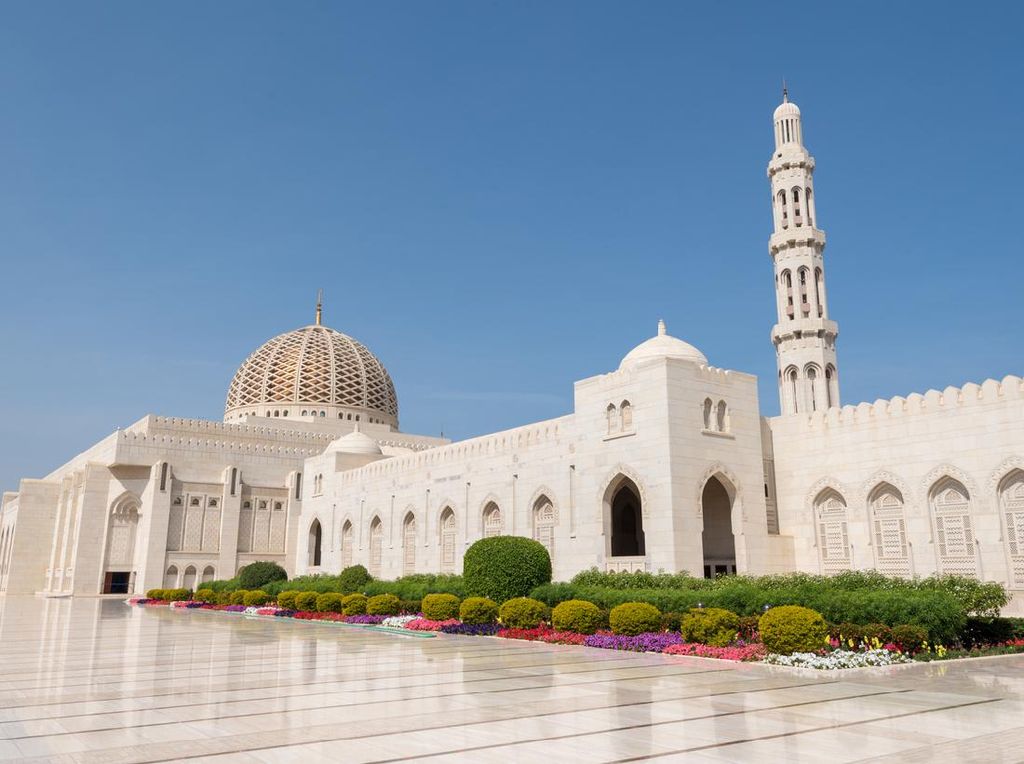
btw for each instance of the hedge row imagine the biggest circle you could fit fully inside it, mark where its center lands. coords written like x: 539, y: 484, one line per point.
x: 938, y: 612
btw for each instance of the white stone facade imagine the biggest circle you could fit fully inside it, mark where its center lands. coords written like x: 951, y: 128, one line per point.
x: 665, y: 463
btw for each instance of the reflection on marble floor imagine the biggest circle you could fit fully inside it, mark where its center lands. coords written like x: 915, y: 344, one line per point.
x: 98, y: 681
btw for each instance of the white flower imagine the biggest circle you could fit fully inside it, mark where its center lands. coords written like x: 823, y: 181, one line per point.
x: 398, y: 621
x: 839, y: 659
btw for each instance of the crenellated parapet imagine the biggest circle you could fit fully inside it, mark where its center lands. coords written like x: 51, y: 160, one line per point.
x: 989, y: 392
x: 517, y: 441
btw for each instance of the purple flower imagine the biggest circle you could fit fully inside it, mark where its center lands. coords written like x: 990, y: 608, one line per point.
x: 235, y: 608
x: 285, y: 613
x: 364, y: 618
x: 471, y: 629
x: 648, y: 642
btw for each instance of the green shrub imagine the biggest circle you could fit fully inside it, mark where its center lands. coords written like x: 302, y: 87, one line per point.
x: 383, y: 604
x: 353, y: 578
x: 505, y: 567
x: 286, y: 600
x: 710, y: 626
x: 256, y: 598
x: 329, y: 602
x: 204, y: 595
x: 257, y: 574
x: 237, y: 597
x: 306, y: 601
x: 748, y: 627
x: 522, y: 613
x: 354, y: 604
x: 478, y: 610
x: 910, y: 638
x: 879, y: 631
x: 1017, y: 624
x: 410, y: 607
x: 847, y: 631
x: 671, y: 621
x: 986, y: 631
x: 576, y: 615
x: 222, y: 585
x: 155, y: 594
x: 224, y: 598
x: 792, y: 629
x: 632, y: 618
x: 440, y: 607
x: 418, y: 586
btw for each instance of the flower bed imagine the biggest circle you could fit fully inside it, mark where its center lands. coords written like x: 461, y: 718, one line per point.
x: 648, y: 642
x: 746, y: 652
x: 839, y: 659
x: 544, y: 634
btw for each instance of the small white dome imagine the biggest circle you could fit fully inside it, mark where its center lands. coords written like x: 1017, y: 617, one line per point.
x: 355, y: 442
x: 786, y: 109
x: 663, y: 346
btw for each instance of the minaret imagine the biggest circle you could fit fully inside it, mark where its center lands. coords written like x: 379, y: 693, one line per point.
x: 804, y: 337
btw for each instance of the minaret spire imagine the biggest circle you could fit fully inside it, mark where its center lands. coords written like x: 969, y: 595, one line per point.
x: 805, y: 336
x: 319, y: 305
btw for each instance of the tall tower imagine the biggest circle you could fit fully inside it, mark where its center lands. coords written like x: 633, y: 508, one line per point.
x: 804, y: 337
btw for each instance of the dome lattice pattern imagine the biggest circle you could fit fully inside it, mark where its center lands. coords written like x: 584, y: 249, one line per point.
x: 311, y: 365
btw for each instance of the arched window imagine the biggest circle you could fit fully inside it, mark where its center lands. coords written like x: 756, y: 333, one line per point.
x: 809, y: 202
x: 796, y: 206
x: 818, y: 292
x: 1011, y: 499
x: 784, y: 209
x: 805, y: 306
x: 626, y: 415
x: 831, y: 399
x: 794, y: 395
x: 209, y: 574
x: 833, y: 536
x: 812, y: 386
x: 447, y: 540
x: 954, y: 529
x: 347, y: 544
x: 612, y: 418
x: 492, y: 520
x: 708, y: 407
x: 544, y: 524
x: 305, y: 413
x: 171, y: 577
x: 787, y: 280
x: 314, y: 546
x: 721, y: 417
x: 889, y: 527
x: 409, y: 545
x: 376, y: 546
x: 188, y: 580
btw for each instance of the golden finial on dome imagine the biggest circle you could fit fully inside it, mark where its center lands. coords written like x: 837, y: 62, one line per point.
x: 319, y: 305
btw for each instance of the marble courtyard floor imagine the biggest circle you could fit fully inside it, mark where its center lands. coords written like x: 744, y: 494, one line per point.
x: 98, y: 681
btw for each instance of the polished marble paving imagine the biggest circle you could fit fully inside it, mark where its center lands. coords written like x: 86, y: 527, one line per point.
x: 98, y: 681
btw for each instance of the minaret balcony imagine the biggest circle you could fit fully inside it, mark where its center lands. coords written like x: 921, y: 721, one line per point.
x: 804, y: 328
x: 796, y: 236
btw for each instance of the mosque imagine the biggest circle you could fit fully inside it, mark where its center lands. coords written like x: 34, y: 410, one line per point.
x: 664, y: 463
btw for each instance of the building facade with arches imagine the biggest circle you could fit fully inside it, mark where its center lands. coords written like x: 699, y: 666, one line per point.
x: 663, y: 463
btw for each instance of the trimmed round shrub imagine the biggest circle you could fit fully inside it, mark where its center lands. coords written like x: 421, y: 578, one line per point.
x: 522, y: 613
x: 986, y: 631
x: 410, y: 607
x: 256, y: 598
x: 440, y: 607
x: 306, y: 601
x: 910, y: 638
x: 383, y: 604
x: 632, y: 618
x: 792, y: 629
x: 286, y: 599
x: 204, y: 595
x: 576, y: 615
x: 237, y: 597
x: 155, y: 594
x: 353, y: 579
x: 223, y: 598
x: 256, y: 574
x: 478, y: 610
x: 354, y: 604
x: 329, y: 602
x: 710, y: 626
x: 505, y: 567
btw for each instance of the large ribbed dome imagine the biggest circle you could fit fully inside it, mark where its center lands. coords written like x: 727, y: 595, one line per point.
x: 314, y: 371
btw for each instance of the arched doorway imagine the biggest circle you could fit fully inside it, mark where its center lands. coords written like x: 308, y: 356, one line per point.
x: 627, y: 522
x: 188, y: 580
x: 118, y: 575
x: 717, y: 538
x: 171, y: 577
x: 315, y: 544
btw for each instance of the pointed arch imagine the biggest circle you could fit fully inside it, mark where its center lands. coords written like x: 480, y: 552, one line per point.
x: 409, y: 544
x: 171, y: 577
x: 707, y: 408
x: 122, y: 528
x: 955, y: 546
x: 1011, y: 504
x: 209, y: 574
x: 347, y: 543
x: 447, y: 529
x: 376, y: 546
x: 491, y: 520
x: 615, y: 475
x: 830, y: 512
x: 544, y: 518
x: 888, y: 522
x: 612, y: 416
x: 626, y: 416
x: 314, y: 544
x: 188, y: 578
x: 624, y: 518
x: 718, y: 538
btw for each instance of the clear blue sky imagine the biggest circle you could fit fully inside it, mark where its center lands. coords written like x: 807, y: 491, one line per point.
x: 497, y: 198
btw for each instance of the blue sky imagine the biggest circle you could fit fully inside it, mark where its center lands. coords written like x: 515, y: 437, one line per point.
x: 497, y: 198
